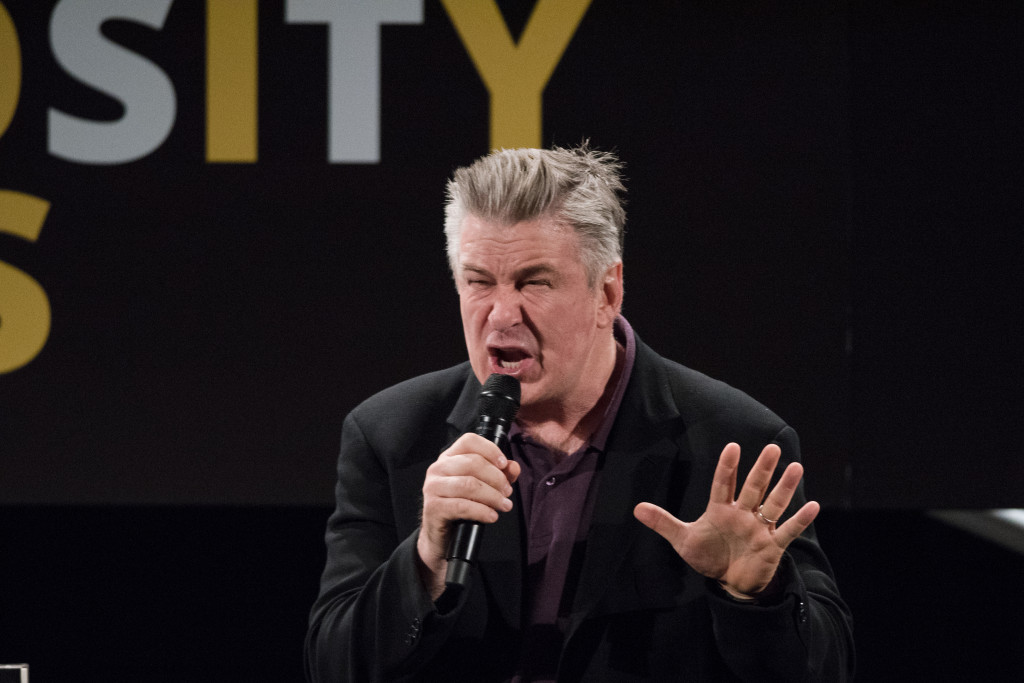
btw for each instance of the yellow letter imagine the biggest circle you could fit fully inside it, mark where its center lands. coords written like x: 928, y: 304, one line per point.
x: 10, y: 69
x: 24, y: 307
x: 515, y: 75
x: 231, y: 80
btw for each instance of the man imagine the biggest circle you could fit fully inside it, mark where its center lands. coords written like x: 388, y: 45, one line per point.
x: 569, y: 585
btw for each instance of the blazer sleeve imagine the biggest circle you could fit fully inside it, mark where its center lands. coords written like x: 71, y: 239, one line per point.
x: 373, y: 619
x: 806, y: 633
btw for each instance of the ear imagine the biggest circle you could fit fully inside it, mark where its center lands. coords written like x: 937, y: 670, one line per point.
x: 610, y: 293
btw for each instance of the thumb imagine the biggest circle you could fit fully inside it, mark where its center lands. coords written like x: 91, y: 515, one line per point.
x: 660, y: 521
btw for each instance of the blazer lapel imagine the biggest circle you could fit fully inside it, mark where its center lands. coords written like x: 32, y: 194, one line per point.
x: 641, y: 452
x: 627, y: 478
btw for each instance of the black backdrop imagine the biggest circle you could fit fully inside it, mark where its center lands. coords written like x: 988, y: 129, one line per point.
x: 824, y: 211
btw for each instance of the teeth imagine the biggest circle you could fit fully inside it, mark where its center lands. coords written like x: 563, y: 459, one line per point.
x: 510, y: 365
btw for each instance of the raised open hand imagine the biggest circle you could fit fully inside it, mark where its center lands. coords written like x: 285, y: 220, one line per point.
x: 738, y: 540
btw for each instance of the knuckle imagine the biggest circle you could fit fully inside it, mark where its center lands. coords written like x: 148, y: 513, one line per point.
x: 466, y: 487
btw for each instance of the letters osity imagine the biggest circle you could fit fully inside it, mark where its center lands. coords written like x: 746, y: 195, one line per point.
x: 515, y: 74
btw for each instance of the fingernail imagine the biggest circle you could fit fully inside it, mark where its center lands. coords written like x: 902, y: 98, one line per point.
x: 506, y: 504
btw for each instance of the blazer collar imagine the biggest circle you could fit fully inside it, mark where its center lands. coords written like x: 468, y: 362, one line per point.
x: 640, y: 453
x: 463, y: 413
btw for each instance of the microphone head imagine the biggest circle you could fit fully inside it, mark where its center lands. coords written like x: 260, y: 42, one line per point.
x: 500, y: 397
x: 505, y: 386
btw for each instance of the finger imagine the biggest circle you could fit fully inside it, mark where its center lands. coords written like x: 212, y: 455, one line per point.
x: 447, y: 498
x: 778, y: 500
x: 661, y: 522
x: 452, y: 463
x: 477, y: 491
x: 489, y: 451
x: 723, y: 486
x: 759, y: 478
x: 464, y: 486
x: 795, y: 525
x: 439, y: 511
x: 512, y: 471
x: 470, y: 478
x: 462, y: 476
x: 474, y: 443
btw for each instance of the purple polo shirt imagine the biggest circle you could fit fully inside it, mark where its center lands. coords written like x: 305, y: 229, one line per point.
x: 557, y: 502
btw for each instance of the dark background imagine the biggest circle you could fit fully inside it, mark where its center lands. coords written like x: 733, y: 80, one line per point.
x: 824, y: 211
x: 222, y: 594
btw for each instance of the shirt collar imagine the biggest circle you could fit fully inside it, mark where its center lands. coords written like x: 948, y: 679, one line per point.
x: 623, y: 333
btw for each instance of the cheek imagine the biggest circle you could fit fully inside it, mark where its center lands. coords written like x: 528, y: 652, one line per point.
x: 569, y: 331
x: 577, y: 317
x: 471, y: 310
x: 474, y: 326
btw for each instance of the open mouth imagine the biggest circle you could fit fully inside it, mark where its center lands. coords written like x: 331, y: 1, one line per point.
x: 509, y: 360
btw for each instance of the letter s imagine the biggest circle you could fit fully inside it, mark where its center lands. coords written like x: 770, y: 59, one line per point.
x: 24, y: 306
x: 143, y: 88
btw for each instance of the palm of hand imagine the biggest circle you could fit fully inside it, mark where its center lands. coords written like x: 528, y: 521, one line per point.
x: 731, y: 542
x: 730, y: 545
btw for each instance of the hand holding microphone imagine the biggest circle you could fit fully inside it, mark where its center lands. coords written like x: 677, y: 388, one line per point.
x: 467, y: 486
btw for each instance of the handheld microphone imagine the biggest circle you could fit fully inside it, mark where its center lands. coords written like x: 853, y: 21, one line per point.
x: 496, y: 409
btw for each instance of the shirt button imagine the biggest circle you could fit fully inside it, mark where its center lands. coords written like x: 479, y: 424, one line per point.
x: 550, y: 481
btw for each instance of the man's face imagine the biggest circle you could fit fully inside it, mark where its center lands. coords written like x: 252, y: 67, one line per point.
x: 527, y: 310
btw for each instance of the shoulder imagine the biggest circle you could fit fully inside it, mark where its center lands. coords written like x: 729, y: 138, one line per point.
x: 426, y: 399
x: 698, y: 397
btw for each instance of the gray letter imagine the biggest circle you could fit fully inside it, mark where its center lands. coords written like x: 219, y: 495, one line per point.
x: 354, y: 71
x: 143, y: 88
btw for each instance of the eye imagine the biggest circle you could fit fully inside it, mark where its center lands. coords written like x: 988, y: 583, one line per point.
x: 537, y: 282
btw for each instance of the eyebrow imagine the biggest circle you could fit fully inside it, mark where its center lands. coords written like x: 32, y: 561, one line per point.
x: 521, y: 274
x: 533, y: 271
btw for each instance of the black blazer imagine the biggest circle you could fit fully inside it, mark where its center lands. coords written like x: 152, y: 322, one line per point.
x: 639, y: 614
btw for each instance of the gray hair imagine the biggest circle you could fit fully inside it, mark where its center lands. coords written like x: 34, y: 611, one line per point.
x: 580, y: 187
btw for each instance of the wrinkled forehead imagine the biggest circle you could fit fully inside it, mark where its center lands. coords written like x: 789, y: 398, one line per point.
x: 535, y: 238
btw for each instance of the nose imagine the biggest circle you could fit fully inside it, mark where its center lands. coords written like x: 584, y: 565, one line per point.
x: 506, y: 309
